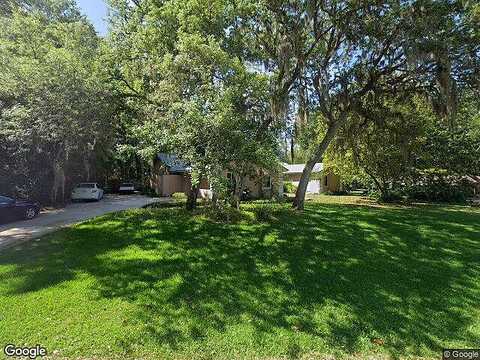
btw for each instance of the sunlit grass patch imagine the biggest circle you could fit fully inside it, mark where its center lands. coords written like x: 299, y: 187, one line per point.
x: 345, y: 280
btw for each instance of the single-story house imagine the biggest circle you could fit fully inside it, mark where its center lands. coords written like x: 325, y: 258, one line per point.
x: 320, y: 181
x: 474, y: 182
x: 171, y: 175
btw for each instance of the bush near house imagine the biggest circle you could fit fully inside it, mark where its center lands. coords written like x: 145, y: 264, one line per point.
x: 439, y: 192
x: 289, y: 187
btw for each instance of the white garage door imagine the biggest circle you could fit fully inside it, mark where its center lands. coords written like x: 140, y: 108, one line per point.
x: 313, y: 187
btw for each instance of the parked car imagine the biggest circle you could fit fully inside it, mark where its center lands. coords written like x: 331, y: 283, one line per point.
x: 87, y: 191
x: 108, y: 189
x: 126, y: 188
x: 14, y: 209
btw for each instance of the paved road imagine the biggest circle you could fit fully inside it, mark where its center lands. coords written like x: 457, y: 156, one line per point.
x: 51, y: 220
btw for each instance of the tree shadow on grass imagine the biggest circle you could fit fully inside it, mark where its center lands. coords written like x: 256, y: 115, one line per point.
x: 346, y: 275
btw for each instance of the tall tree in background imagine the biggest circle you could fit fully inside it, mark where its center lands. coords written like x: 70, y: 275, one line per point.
x: 336, y: 55
x: 196, y: 94
x: 373, y: 49
x: 445, y: 149
x: 54, y: 108
x: 386, y: 140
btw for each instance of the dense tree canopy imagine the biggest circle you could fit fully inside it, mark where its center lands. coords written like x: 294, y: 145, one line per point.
x: 198, y: 97
x: 54, y: 107
x: 362, y: 51
x: 217, y: 83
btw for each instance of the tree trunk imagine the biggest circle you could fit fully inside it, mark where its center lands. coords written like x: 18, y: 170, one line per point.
x: 214, y: 199
x: 382, y: 188
x: 58, y: 186
x: 299, y: 200
x: 237, y: 194
x: 292, y: 143
x: 447, y: 92
x: 286, y: 146
x: 86, y: 164
x: 192, y: 197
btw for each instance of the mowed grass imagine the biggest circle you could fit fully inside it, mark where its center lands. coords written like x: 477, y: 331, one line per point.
x: 337, y: 280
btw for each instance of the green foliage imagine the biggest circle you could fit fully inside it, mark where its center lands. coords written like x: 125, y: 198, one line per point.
x: 433, y: 187
x: 223, y: 214
x: 266, y: 212
x: 289, y: 187
x: 362, y: 51
x: 192, y: 95
x: 402, y: 149
x: 387, y: 196
x: 215, y: 84
x: 454, y: 147
x: 383, y: 143
x: 439, y: 190
x: 179, y: 196
x: 342, y: 163
x: 54, y: 109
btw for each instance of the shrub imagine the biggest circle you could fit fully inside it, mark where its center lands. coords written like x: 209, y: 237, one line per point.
x: 289, y: 187
x: 391, y: 196
x: 439, y: 192
x: 265, y: 212
x: 431, y: 190
x: 223, y: 214
x: 164, y: 205
x: 335, y: 193
x: 179, y: 196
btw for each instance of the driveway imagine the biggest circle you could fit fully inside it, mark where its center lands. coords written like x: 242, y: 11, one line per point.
x: 51, y: 220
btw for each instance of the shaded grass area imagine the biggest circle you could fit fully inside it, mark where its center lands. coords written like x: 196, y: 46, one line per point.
x: 336, y: 279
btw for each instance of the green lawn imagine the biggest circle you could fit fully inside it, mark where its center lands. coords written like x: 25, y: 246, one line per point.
x: 338, y: 279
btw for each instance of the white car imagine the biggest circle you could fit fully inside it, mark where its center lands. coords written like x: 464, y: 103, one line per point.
x: 126, y: 188
x: 87, y: 191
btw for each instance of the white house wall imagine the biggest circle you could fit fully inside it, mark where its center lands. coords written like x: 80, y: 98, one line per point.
x: 313, y: 187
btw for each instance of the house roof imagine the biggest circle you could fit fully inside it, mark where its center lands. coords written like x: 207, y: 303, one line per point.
x: 473, y: 179
x: 173, y: 163
x: 298, y: 168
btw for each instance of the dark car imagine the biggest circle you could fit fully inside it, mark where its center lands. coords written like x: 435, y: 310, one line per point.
x: 12, y: 209
x: 126, y: 188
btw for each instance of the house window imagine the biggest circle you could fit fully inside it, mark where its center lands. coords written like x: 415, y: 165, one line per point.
x: 267, y: 182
